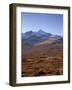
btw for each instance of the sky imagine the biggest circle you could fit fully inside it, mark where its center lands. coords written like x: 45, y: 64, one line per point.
x: 51, y: 23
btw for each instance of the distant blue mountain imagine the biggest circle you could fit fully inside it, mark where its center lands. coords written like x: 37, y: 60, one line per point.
x: 30, y: 38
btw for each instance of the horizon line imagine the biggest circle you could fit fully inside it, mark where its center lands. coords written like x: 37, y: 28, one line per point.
x: 43, y: 31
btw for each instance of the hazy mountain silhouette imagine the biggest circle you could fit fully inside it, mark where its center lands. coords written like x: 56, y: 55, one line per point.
x: 31, y: 38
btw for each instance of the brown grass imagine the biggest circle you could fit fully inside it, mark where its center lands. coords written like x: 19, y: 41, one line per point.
x: 45, y: 66
x: 43, y: 60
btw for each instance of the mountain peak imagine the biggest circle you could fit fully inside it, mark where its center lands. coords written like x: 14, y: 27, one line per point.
x: 29, y: 32
x: 40, y: 30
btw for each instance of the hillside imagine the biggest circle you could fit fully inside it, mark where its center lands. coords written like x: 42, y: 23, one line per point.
x: 42, y: 57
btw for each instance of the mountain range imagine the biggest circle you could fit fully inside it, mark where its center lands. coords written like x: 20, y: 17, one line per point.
x: 31, y: 38
x: 40, y: 37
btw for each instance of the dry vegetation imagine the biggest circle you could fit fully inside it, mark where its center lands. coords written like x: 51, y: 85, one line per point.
x: 43, y: 60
